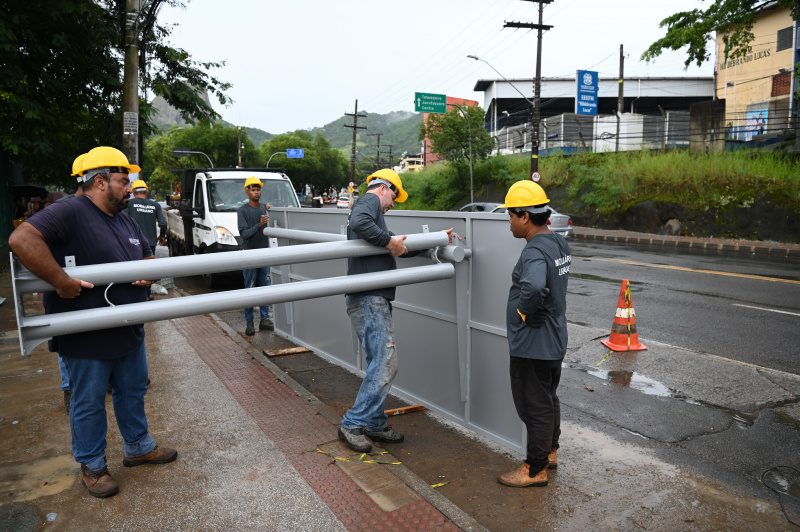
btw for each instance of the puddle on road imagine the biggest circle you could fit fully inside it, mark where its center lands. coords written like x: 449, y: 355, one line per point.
x: 628, y: 379
x: 30, y: 480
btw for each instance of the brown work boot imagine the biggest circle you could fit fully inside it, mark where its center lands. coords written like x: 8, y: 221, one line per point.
x: 99, y: 484
x: 552, y: 459
x: 520, y: 477
x: 159, y: 455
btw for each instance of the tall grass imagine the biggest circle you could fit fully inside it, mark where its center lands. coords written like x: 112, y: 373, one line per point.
x: 613, y: 182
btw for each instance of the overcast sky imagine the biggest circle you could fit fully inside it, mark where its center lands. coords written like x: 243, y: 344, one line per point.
x: 297, y: 64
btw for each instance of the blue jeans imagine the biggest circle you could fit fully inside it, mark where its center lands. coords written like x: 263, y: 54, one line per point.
x: 62, y: 368
x: 371, y: 317
x: 90, y: 380
x: 252, y: 278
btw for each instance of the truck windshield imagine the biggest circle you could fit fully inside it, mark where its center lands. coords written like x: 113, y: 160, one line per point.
x: 227, y: 195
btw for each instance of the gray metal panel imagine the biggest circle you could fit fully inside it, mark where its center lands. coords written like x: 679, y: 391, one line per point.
x: 494, y: 253
x: 323, y: 324
x: 428, y: 351
x: 492, y: 407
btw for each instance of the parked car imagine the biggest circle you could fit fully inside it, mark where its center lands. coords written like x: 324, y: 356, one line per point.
x: 344, y: 201
x: 559, y: 223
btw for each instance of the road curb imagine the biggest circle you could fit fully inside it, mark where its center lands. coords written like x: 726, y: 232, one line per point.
x: 715, y: 246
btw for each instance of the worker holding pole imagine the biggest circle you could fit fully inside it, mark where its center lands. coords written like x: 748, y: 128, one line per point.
x: 91, y: 230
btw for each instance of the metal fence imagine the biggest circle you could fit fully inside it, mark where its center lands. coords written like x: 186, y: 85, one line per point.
x: 450, y: 334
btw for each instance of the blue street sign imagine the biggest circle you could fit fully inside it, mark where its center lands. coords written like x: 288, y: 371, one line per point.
x: 587, y: 88
x: 295, y: 153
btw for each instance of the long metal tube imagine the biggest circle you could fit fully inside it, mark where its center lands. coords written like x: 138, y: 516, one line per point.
x: 125, y: 272
x: 37, y: 328
x: 449, y: 253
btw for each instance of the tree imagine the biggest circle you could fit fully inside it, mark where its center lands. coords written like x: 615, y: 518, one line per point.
x: 62, y: 80
x: 449, y: 134
x: 217, y: 141
x: 321, y: 167
x: 733, y: 18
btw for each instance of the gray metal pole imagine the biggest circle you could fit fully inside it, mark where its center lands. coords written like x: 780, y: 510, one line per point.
x: 35, y: 329
x: 125, y: 272
x: 450, y: 253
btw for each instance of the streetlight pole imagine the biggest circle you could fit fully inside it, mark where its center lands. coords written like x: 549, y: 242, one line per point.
x: 180, y: 151
x: 273, y: 155
x: 469, y: 143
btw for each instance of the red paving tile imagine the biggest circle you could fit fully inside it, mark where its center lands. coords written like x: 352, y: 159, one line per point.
x: 294, y: 426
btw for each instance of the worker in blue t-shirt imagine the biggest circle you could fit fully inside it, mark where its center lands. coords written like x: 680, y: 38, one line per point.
x: 91, y: 230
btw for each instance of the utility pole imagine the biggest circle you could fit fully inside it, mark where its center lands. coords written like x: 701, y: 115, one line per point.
x: 391, y: 161
x: 355, y: 128
x: 239, y: 144
x: 378, y: 149
x: 620, y: 94
x: 536, y: 112
x: 130, y: 84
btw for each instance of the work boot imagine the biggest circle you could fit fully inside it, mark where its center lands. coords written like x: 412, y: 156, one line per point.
x: 355, y: 439
x: 99, y: 484
x: 159, y: 455
x: 67, y: 399
x: 521, y: 478
x: 266, y: 325
x: 250, y: 330
x: 552, y: 459
x: 386, y: 435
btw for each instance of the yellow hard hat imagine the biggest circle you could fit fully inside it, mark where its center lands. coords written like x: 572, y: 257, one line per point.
x: 139, y: 184
x: 524, y: 194
x: 252, y: 180
x: 105, y: 157
x: 390, y: 177
x: 77, y: 165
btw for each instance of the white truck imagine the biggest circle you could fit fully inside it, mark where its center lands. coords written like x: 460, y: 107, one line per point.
x: 203, y: 219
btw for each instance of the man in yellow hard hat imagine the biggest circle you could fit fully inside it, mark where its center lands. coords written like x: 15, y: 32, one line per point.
x: 92, y: 230
x: 536, y: 325
x: 252, y: 218
x: 147, y: 213
x: 370, y: 312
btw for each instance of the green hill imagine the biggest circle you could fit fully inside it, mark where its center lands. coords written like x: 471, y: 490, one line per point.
x: 400, y: 129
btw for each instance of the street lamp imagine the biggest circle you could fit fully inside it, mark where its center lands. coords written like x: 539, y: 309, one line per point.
x: 534, y: 111
x: 273, y: 155
x: 469, y: 143
x: 181, y: 151
x: 476, y: 58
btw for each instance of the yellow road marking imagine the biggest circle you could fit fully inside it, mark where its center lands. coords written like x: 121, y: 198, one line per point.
x: 696, y: 270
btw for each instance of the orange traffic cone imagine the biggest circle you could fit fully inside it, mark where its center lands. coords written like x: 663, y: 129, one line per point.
x: 623, y: 332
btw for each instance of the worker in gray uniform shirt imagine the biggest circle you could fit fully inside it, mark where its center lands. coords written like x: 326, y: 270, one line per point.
x: 536, y: 323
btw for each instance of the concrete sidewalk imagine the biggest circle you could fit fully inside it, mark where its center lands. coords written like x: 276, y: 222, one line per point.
x: 250, y: 450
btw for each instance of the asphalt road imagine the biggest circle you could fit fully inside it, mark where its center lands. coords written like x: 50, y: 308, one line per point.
x: 740, y: 308
x: 745, y: 309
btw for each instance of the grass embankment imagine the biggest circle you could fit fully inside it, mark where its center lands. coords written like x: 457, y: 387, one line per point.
x: 724, y: 194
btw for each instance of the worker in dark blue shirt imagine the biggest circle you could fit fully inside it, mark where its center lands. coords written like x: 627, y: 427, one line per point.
x: 91, y: 230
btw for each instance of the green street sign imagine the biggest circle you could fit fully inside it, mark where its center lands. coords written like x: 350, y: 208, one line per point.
x: 425, y: 102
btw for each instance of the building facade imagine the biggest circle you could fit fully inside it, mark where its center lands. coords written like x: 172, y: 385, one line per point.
x: 757, y: 87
